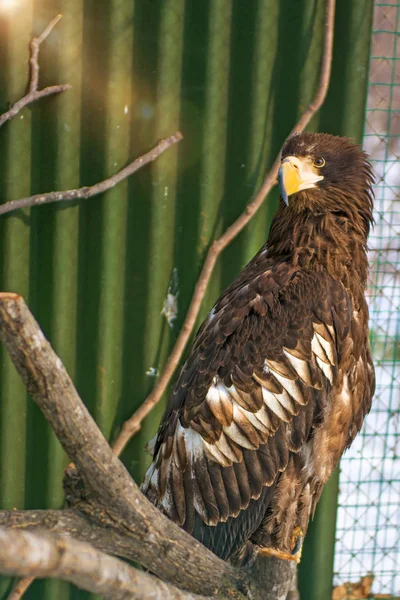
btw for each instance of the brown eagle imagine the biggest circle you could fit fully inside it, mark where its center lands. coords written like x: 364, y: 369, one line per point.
x: 280, y: 376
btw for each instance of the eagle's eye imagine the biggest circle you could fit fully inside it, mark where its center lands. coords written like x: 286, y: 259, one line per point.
x: 319, y: 162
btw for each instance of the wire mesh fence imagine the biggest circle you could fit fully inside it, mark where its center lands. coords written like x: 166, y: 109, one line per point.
x: 367, y: 554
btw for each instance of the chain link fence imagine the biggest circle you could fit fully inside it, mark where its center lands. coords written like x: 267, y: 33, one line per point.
x: 367, y: 554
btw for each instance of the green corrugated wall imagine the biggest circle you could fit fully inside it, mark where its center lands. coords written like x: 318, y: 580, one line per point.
x: 233, y: 75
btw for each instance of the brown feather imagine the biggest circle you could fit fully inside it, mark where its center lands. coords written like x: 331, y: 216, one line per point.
x: 232, y: 490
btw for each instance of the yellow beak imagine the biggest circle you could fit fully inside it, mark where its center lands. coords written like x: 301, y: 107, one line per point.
x: 296, y: 174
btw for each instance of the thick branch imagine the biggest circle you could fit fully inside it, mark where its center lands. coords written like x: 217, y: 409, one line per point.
x: 88, y: 522
x: 29, y: 554
x: 98, y: 188
x: 273, y: 575
x: 161, y: 546
x: 34, y: 93
x: 102, y: 531
x: 131, y: 426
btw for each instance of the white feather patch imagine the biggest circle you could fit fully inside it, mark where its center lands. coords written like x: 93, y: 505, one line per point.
x: 274, y: 405
x: 286, y: 402
x: 327, y: 346
x: 300, y: 366
x: 258, y: 419
x: 234, y: 432
x: 292, y: 388
x: 318, y: 349
x: 326, y: 369
x: 344, y: 394
x: 215, y: 454
x: 225, y: 448
x: 194, y: 443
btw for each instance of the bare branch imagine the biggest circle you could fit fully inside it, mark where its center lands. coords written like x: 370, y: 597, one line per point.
x: 34, y: 93
x: 94, y: 526
x: 83, y: 192
x: 20, y: 588
x: 98, y: 188
x: 56, y: 521
x: 132, y: 425
x: 35, y: 47
x: 29, y: 554
x: 160, y: 545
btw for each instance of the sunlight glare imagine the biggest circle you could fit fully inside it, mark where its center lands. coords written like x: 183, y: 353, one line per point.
x: 8, y: 4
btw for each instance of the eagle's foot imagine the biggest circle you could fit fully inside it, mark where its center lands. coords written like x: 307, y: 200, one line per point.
x: 297, y: 543
x: 278, y: 554
x: 297, y: 546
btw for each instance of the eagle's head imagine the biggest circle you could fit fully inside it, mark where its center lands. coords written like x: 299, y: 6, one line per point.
x: 324, y: 173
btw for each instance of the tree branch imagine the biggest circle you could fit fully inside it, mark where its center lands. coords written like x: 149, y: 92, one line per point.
x: 159, y: 544
x: 20, y: 588
x: 98, y: 188
x: 29, y: 554
x: 273, y: 575
x: 132, y: 425
x: 34, y: 94
x: 270, y: 575
x: 59, y: 521
x: 84, y: 192
x: 88, y: 522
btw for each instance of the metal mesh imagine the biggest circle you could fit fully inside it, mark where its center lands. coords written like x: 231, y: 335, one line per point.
x: 368, y: 527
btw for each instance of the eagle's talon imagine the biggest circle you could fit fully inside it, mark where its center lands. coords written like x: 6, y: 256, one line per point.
x: 279, y: 554
x: 297, y: 539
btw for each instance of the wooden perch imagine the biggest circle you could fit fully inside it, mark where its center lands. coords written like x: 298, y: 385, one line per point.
x: 49, y: 555
x: 158, y: 543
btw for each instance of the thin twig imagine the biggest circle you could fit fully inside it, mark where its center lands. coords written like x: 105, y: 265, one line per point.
x: 20, y: 588
x: 132, y: 425
x: 35, y: 46
x: 98, y: 188
x: 34, y: 93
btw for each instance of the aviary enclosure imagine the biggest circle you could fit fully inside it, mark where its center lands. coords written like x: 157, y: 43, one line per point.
x: 110, y: 279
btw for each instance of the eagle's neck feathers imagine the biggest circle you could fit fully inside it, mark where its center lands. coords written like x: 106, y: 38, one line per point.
x: 335, y: 241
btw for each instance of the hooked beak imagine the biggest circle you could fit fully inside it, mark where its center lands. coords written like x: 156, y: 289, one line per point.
x: 296, y: 174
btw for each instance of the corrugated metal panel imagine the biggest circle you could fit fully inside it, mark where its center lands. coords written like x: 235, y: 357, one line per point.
x: 233, y: 77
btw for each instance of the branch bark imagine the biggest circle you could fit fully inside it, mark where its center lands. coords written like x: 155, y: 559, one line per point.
x: 31, y: 554
x: 34, y: 94
x: 273, y: 575
x: 159, y: 544
x: 132, y: 425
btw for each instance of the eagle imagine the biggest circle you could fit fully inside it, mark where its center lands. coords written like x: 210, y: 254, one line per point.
x: 280, y: 375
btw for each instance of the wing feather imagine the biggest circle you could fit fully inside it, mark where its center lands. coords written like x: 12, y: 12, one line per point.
x: 253, y: 388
